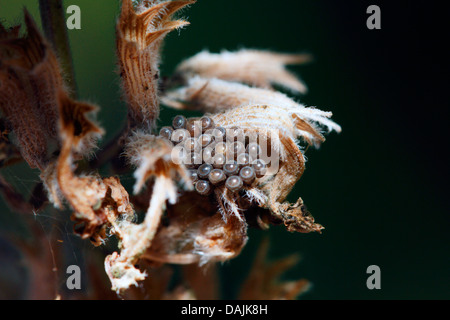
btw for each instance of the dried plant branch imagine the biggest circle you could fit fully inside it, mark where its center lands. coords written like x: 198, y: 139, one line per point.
x: 135, y: 240
x: 196, y: 213
x: 140, y: 32
x: 263, y: 281
x: 152, y: 156
x: 54, y: 24
x: 66, y: 122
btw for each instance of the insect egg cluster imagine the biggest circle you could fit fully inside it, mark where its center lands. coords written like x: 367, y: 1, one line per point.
x: 215, y: 156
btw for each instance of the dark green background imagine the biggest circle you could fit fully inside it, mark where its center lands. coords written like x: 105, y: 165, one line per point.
x: 380, y: 187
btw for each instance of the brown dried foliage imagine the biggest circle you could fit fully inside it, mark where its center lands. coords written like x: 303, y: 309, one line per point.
x: 263, y: 282
x: 55, y: 133
x: 139, y: 35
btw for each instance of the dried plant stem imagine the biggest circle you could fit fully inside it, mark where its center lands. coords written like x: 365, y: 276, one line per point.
x: 151, y: 222
x: 53, y: 22
x: 111, y: 151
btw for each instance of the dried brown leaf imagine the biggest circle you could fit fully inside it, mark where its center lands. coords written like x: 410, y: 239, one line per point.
x: 263, y: 282
x: 283, y: 128
x: 139, y: 36
x: 75, y: 125
x: 254, y: 67
x: 198, y: 237
x: 215, y: 95
x: 30, y: 79
x: 153, y: 158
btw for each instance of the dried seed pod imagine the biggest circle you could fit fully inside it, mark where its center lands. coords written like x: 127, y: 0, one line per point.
x: 217, y: 176
x: 204, y: 170
x: 260, y: 168
x: 140, y: 33
x: 205, y: 139
x: 192, y: 145
x: 203, y: 187
x: 219, y: 160
x: 179, y: 135
x: 207, y: 123
x: 231, y: 168
x: 166, y: 132
x: 253, y: 149
x: 243, y: 159
x: 234, y: 183
x: 247, y: 174
x: 179, y: 122
x: 194, y: 126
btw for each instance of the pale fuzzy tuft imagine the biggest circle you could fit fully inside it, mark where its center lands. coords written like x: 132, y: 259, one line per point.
x: 153, y: 157
x: 254, y: 67
x: 219, y: 239
x: 254, y: 195
x: 215, y: 95
x: 228, y: 205
x: 121, y: 274
x: 265, y: 120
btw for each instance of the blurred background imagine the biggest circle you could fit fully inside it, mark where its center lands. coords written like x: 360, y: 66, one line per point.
x: 379, y: 187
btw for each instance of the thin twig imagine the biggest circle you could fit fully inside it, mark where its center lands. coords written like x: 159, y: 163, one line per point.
x: 54, y: 24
